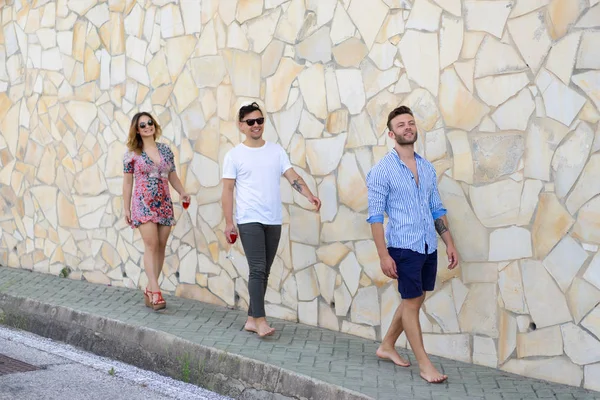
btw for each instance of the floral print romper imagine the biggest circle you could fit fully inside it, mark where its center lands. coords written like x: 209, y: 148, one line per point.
x: 151, y: 198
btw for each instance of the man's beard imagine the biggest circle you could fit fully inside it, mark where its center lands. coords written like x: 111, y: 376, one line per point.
x: 401, y: 141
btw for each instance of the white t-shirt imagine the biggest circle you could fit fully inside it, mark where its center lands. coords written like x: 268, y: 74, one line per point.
x: 257, y: 173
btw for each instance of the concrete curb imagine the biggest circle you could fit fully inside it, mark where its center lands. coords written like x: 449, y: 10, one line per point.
x: 222, y: 372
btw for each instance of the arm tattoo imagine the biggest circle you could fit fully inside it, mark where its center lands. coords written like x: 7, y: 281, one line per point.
x: 440, y: 227
x: 297, y: 185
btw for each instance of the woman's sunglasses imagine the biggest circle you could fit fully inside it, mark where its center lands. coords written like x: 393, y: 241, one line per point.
x: 251, y: 122
x: 143, y: 124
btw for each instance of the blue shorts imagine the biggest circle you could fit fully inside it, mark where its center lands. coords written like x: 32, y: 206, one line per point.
x: 416, y: 271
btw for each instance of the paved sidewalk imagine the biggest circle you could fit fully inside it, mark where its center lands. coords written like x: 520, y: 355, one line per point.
x: 332, y: 357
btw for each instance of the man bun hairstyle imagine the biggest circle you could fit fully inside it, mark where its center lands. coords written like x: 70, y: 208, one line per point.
x: 247, y: 109
x: 398, y: 111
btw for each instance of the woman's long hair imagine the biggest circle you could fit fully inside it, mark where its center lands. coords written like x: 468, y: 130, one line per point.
x: 134, y: 141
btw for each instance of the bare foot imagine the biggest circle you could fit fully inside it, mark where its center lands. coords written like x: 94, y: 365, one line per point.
x: 391, y: 354
x: 263, y: 329
x: 250, y: 326
x: 431, y: 375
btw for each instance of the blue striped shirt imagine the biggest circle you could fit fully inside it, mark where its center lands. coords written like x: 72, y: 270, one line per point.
x: 411, y: 209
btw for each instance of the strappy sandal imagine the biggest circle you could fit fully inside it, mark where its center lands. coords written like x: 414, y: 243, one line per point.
x: 147, y: 300
x: 159, y: 303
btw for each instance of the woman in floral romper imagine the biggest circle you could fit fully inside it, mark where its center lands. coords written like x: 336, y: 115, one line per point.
x: 151, y: 166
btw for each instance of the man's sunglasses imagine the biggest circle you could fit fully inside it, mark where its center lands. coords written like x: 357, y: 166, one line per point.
x: 143, y: 124
x: 251, y: 122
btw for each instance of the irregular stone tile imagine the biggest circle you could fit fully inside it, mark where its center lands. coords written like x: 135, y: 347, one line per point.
x: 308, y: 288
x: 286, y: 122
x: 189, y: 11
x: 248, y: 9
x: 581, y: 347
x: 531, y: 37
x: 333, y: 95
x: 592, y: 377
x: 271, y: 57
x: 542, y: 138
x: 361, y: 132
x: 351, y: 89
x: 560, y: 15
x: 560, y: 102
x: 343, y: 300
x: 507, y: 340
x: 424, y: 16
x: 589, y: 82
x: 90, y: 181
x: 547, y: 304
x: 592, y: 322
x: 441, y: 307
x: 298, y: 151
x: 326, y: 277
x: 244, y: 70
x: 276, y: 311
x: 551, y: 223
x: 464, y: 223
x: 570, y: 158
x: 435, y: 145
x: 546, y: 342
x: 515, y: 113
x: 342, y: 27
x: 352, y: 189
x: 278, y: 86
x: 302, y: 256
x: 462, y: 157
x: 546, y: 369
x: 368, y: 18
x: 561, y: 59
x: 367, y: 256
x: 178, y: 51
x: 375, y: 80
x: 348, y: 225
x: 379, y: 106
x: 312, y: 86
x: 223, y: 287
x: 479, y: 272
x: 420, y: 53
x: 488, y: 166
x: 366, y: 332
x: 582, y: 297
x: 484, y: 352
x: 392, y: 26
x: 308, y: 312
x: 207, y: 44
x: 316, y: 48
x: 592, y: 274
x: 350, y: 270
x: 205, y: 170
x: 456, y: 346
x: 327, y: 317
x: 451, y: 6
x: 587, y: 186
x: 495, y: 57
x: 510, y: 244
x: 291, y: 22
x: 365, y: 307
x: 587, y: 226
x: 497, y: 204
x: 424, y: 108
x: 511, y: 289
x: 304, y: 226
x: 459, y: 107
x: 591, y: 17
x: 487, y: 16
x: 523, y: 7
x: 383, y: 55
x: 327, y: 192
x: 496, y: 90
x: 83, y: 113
x: 324, y: 155
x: 332, y: 254
x: 451, y: 40
x: 565, y: 261
x: 479, y: 312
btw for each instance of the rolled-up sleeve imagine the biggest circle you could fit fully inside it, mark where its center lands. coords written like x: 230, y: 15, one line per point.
x: 435, y: 202
x: 378, y: 189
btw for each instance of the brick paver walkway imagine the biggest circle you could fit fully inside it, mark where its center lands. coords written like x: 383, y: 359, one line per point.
x: 329, y: 356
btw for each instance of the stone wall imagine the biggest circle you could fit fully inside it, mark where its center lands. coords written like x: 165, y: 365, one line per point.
x: 506, y: 95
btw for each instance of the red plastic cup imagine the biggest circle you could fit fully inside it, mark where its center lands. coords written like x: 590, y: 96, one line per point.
x: 185, y: 204
x: 232, y: 237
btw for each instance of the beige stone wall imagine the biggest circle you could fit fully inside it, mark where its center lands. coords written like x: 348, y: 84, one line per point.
x: 506, y: 95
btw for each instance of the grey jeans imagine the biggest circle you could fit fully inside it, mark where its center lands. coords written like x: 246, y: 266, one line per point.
x: 260, y: 244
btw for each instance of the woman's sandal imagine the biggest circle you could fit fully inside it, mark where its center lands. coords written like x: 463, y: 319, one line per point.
x: 157, y: 304
x: 147, y: 300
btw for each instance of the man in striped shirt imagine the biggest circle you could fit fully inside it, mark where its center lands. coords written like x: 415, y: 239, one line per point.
x: 403, y: 185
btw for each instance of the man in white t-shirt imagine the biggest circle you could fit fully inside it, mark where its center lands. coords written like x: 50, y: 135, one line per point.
x: 254, y: 169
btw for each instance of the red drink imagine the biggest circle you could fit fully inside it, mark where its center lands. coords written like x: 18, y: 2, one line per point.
x: 232, y: 237
x: 185, y: 204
